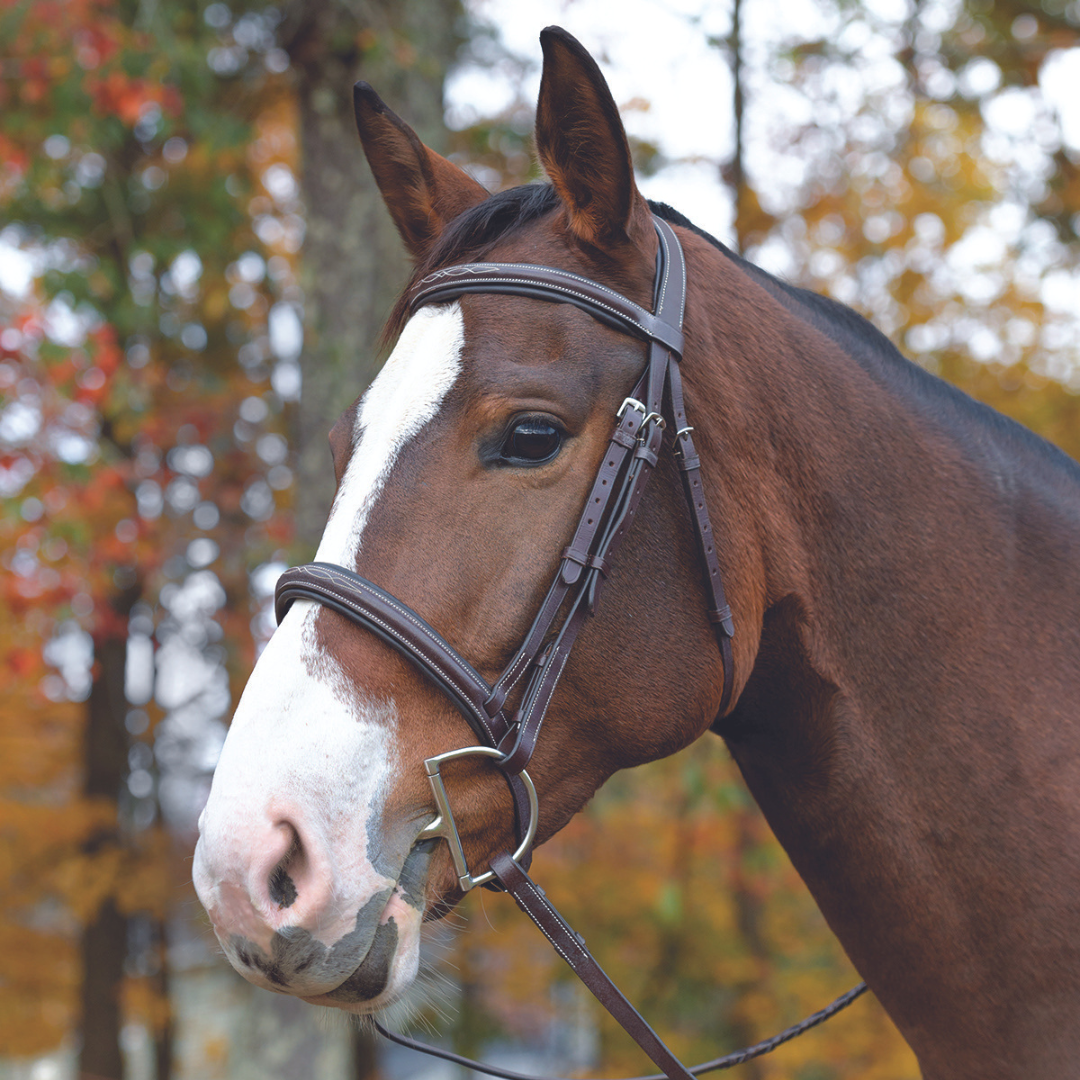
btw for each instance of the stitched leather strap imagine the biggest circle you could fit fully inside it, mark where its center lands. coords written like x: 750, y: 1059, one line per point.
x: 578, y: 552
x: 611, y: 505
x: 542, y: 686
x: 579, y: 565
x: 546, y: 283
x: 726, y: 1061
x: 571, y: 947
x: 690, y: 469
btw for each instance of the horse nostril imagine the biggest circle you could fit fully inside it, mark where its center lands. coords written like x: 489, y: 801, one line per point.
x: 282, y: 887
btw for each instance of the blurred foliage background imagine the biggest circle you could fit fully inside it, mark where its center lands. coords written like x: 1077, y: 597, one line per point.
x: 193, y: 271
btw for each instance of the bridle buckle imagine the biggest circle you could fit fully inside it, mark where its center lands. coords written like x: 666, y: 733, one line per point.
x: 652, y: 418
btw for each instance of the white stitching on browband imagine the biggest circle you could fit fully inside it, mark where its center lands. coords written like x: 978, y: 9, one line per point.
x: 480, y: 268
x: 547, y: 285
x: 667, y: 271
x: 641, y: 321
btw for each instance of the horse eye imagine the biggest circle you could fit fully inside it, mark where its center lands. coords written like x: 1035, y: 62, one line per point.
x: 531, y: 440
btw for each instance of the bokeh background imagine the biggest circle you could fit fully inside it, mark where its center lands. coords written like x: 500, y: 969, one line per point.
x: 194, y: 267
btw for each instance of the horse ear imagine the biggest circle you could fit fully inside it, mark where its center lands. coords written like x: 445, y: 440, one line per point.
x: 583, y: 147
x: 422, y: 190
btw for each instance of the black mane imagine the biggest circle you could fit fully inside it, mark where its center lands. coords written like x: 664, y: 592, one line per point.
x: 472, y: 234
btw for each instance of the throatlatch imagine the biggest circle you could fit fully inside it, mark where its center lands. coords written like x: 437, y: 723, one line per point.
x: 632, y: 453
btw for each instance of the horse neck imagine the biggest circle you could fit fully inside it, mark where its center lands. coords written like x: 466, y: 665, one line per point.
x: 887, y: 582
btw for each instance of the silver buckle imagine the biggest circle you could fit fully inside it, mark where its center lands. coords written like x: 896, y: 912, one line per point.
x: 679, y: 448
x: 445, y: 827
x: 632, y: 403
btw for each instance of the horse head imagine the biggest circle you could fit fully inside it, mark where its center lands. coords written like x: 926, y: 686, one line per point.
x: 462, y: 473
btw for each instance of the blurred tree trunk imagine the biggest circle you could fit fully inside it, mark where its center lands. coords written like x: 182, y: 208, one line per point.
x: 164, y: 1036
x: 354, y: 264
x: 104, y: 939
x: 103, y: 951
x: 733, y: 173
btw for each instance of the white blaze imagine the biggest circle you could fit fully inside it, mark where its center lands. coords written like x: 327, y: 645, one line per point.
x: 406, y: 395
x: 306, y: 744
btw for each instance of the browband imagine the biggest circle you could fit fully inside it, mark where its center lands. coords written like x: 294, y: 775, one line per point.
x: 545, y: 283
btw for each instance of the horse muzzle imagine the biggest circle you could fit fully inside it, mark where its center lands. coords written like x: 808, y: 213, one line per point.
x: 290, y: 928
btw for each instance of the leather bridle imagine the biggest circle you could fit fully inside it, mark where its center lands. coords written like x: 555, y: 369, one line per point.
x: 654, y: 404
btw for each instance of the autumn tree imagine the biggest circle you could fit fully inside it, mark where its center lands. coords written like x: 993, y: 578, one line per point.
x: 160, y: 167
x: 918, y: 170
x: 153, y: 185
x: 139, y: 466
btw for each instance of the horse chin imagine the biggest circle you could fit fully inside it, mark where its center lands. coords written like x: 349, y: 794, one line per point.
x: 388, y: 969
x: 390, y: 965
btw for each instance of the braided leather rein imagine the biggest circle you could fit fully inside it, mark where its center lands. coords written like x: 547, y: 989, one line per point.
x: 538, y: 664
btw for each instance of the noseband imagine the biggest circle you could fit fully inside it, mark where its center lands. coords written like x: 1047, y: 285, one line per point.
x: 654, y: 404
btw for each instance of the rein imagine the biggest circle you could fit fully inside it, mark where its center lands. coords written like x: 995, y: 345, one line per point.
x: 538, y: 664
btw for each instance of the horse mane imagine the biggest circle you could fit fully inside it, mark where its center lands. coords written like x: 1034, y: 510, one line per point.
x: 471, y: 235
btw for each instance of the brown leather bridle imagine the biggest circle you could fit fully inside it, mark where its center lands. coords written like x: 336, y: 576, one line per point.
x: 631, y: 455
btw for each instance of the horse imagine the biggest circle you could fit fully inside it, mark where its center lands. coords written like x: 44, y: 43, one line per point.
x: 896, y: 673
